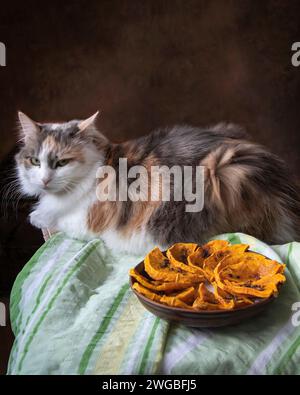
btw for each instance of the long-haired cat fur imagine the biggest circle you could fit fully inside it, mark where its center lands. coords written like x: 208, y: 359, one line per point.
x: 247, y: 188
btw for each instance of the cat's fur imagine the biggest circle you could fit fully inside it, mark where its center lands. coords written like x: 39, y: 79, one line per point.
x: 247, y: 189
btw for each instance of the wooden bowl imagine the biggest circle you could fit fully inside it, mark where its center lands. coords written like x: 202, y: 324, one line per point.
x: 199, y: 319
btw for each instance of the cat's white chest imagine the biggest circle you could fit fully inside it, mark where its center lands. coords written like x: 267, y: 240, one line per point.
x: 65, y: 215
x: 74, y: 222
x: 138, y: 242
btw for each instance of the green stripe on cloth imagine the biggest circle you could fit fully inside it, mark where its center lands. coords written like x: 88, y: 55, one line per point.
x: 282, y: 366
x: 42, y: 279
x: 182, y: 341
x: 39, y: 296
x: 61, y: 252
x: 16, y: 292
x: 289, y: 253
x: 148, y: 347
x: 71, y: 272
x: 100, y: 332
x: 133, y: 356
x: 233, y: 239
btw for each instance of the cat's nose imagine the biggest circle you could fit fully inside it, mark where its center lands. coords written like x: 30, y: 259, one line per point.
x: 45, y: 181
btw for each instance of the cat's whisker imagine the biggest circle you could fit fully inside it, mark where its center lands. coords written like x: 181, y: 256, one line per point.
x: 10, y: 194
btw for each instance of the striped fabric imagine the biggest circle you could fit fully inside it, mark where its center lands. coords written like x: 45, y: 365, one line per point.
x: 72, y: 312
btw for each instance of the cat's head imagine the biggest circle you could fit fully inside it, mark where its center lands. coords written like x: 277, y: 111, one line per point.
x: 55, y: 157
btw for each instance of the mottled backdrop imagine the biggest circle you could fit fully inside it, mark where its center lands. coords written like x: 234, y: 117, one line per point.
x: 146, y: 63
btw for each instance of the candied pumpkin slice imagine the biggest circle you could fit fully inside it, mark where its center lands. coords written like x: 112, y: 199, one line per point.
x: 247, y: 266
x: 206, y: 296
x: 267, y: 286
x: 230, y: 300
x: 146, y: 292
x: 174, y: 300
x: 249, y: 274
x: 178, y: 255
x: 212, y: 261
x: 205, y: 301
x: 158, y: 267
x: 197, y: 258
x: 200, y: 305
x: 214, y: 246
x: 259, y: 265
x: 158, y: 285
x: 187, y: 296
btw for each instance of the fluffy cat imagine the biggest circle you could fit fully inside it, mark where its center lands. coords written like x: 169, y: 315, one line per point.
x: 247, y: 189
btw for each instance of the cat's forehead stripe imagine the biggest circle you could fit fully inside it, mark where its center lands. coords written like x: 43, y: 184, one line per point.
x: 60, y: 134
x: 50, y: 144
x: 57, y: 136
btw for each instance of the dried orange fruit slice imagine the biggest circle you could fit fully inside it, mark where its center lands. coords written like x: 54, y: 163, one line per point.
x: 212, y: 261
x: 158, y: 285
x: 197, y: 258
x: 230, y: 300
x: 146, y: 292
x: 213, y: 246
x: 249, y: 274
x: 179, y: 255
x: 175, y: 300
x: 265, y: 289
x: 187, y: 296
x: 209, y: 301
x: 158, y: 267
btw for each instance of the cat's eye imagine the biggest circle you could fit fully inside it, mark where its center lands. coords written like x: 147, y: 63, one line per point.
x: 62, y: 162
x: 35, y: 161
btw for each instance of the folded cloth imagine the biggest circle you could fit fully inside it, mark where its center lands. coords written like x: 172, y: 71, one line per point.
x: 72, y: 312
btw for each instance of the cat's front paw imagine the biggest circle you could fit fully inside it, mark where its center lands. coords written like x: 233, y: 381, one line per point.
x: 38, y: 220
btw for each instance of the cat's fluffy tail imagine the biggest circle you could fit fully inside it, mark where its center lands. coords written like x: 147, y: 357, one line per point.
x: 253, y: 191
x: 230, y: 130
x: 222, y: 175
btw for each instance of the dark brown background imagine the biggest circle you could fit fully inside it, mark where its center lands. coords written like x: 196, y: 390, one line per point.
x: 144, y: 63
x: 150, y: 63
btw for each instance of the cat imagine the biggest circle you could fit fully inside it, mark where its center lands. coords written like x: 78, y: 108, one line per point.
x: 246, y: 188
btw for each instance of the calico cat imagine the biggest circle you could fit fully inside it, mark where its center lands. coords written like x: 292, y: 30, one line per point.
x: 246, y: 188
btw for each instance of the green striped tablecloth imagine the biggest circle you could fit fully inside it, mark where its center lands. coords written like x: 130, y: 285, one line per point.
x: 72, y: 312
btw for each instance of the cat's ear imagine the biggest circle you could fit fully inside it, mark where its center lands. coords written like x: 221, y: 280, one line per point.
x: 87, y: 123
x: 89, y: 130
x: 28, y: 127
